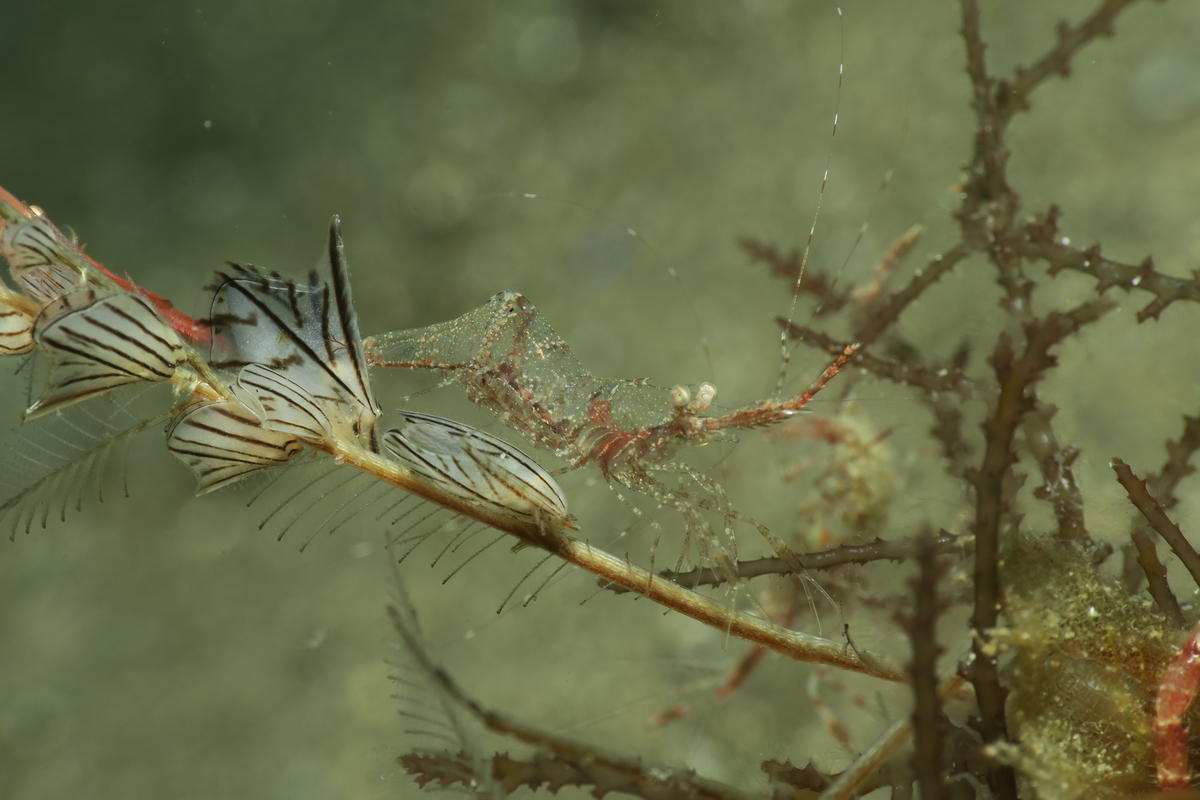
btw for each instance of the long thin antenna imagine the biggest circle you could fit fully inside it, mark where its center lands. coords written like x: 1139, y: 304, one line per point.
x: 785, y: 347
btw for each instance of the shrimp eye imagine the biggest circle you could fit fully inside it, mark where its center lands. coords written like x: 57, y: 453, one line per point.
x: 680, y: 396
x: 705, y: 394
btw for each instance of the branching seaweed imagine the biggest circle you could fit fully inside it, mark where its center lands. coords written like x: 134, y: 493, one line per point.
x: 1063, y: 681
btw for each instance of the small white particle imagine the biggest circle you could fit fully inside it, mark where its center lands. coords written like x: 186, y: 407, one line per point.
x: 1136, y: 280
x: 1066, y: 240
x: 208, y: 124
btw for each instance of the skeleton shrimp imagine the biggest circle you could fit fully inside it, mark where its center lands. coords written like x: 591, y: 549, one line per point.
x: 511, y: 361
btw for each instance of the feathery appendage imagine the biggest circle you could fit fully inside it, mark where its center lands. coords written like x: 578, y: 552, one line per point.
x: 442, y: 713
x: 58, y: 464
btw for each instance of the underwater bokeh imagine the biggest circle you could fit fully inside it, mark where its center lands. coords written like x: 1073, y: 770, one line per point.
x: 603, y: 158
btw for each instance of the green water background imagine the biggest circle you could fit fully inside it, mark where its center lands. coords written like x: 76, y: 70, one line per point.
x: 164, y: 647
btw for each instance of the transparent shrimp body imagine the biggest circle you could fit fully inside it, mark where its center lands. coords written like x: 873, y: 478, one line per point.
x: 511, y: 361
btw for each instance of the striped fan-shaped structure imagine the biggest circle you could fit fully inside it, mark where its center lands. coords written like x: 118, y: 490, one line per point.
x: 97, y: 342
x: 305, y: 333
x: 286, y: 406
x: 16, y: 327
x: 38, y: 254
x: 225, y: 441
x: 475, y: 466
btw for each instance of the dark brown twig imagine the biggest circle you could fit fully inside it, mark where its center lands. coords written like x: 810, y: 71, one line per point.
x: 550, y: 772
x: 851, y: 781
x: 887, y: 310
x: 947, y: 430
x: 1135, y: 487
x: 819, y: 284
x: 996, y: 103
x: 1156, y: 577
x: 988, y: 201
x: 1178, y: 464
x: 909, y: 373
x: 1059, y: 487
x: 1015, y: 374
x: 927, y: 706
x: 1163, y: 486
x: 579, y: 763
x: 1057, y: 60
x: 1039, y: 240
x: 809, y: 779
x: 878, y: 550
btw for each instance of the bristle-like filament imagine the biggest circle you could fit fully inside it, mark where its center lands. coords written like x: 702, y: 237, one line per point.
x: 58, y: 464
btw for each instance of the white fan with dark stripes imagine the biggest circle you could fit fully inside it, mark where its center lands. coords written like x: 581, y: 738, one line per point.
x: 297, y: 373
x: 475, y: 466
x: 95, y: 342
x: 305, y: 332
x: 16, y: 325
x: 286, y: 406
x: 39, y: 256
x: 225, y: 441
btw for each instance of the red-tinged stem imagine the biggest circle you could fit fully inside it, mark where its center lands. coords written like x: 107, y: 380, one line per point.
x: 830, y: 372
x: 190, y: 327
x: 1176, y: 693
x: 13, y: 210
x: 775, y: 412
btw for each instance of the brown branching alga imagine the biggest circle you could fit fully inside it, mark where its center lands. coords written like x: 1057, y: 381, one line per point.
x: 1077, y: 682
x: 1039, y: 664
